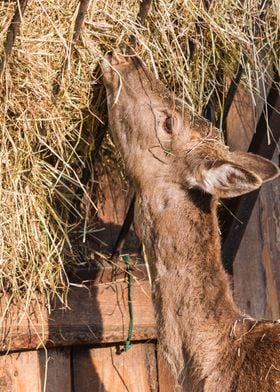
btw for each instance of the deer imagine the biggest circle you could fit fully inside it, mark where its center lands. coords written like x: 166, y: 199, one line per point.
x: 180, y: 167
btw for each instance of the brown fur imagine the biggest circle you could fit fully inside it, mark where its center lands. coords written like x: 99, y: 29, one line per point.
x: 178, y: 175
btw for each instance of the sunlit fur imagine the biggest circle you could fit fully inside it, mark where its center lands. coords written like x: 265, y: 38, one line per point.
x: 178, y: 177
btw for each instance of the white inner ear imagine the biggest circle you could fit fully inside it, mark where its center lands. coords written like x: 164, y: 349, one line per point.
x: 220, y: 178
x: 226, y: 179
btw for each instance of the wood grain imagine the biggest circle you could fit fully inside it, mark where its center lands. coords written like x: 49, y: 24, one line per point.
x: 96, y: 314
x: 256, y: 271
x: 270, y: 235
x: 166, y: 380
x: 243, y: 117
x: 13, y: 31
x: 256, y: 266
x: 241, y: 121
x: 36, y: 371
x: 102, y: 369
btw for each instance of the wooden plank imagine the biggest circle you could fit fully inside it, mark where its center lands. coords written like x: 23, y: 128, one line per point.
x: 96, y: 314
x: 166, y: 380
x: 101, y: 271
x: 20, y: 372
x: 257, y: 260
x: 248, y: 272
x: 36, y: 371
x: 112, y: 210
x: 234, y: 223
x: 103, y: 369
x: 241, y: 121
x: 256, y: 270
x: 270, y: 235
x: 55, y: 369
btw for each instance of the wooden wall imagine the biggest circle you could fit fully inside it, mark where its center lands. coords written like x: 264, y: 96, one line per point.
x: 256, y: 277
x: 99, y: 310
x: 81, y: 369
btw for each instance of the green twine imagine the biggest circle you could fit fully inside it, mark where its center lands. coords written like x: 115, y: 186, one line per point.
x: 127, y: 343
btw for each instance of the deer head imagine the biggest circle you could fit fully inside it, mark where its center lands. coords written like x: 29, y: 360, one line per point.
x: 160, y: 138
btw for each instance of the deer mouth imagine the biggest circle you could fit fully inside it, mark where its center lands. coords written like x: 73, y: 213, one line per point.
x: 112, y: 60
x: 111, y: 68
x: 123, y: 74
x: 117, y: 63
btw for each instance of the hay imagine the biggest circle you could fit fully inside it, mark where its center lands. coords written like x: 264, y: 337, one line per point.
x: 52, y: 102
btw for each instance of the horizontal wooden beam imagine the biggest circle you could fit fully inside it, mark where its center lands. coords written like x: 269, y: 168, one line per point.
x: 98, y: 272
x: 97, y: 313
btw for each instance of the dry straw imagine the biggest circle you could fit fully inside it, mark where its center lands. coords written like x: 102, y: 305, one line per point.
x: 52, y: 102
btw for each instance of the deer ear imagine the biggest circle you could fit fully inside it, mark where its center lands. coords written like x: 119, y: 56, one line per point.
x: 225, y: 179
x: 264, y: 168
x: 243, y: 173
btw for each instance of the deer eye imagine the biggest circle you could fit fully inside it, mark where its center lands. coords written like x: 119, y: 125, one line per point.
x: 168, y: 124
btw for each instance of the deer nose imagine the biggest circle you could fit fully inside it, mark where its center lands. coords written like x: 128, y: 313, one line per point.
x: 116, y: 58
x: 109, y: 66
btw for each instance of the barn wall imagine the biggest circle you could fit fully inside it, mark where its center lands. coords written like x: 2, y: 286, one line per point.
x: 256, y: 277
x: 256, y: 282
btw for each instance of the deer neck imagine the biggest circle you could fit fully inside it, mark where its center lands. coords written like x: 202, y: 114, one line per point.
x: 193, y: 301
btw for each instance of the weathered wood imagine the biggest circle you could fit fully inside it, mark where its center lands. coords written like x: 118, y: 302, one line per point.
x: 55, y: 367
x: 83, y: 7
x: 257, y: 260
x: 235, y: 222
x: 248, y: 272
x: 241, y: 121
x: 230, y: 97
x: 166, y: 380
x: 256, y: 273
x: 119, y: 245
x: 104, y: 272
x: 13, y: 31
x: 270, y: 229
x: 20, y: 372
x: 112, y: 208
x: 96, y: 314
x: 36, y: 371
x: 140, y: 22
x: 102, y: 369
x: 145, y: 6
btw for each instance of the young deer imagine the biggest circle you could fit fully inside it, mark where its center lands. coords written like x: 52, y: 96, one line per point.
x: 180, y: 167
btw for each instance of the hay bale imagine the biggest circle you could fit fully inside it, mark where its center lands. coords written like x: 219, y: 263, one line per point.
x: 52, y: 102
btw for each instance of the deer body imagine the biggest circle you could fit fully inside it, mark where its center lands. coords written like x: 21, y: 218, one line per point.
x: 180, y: 168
